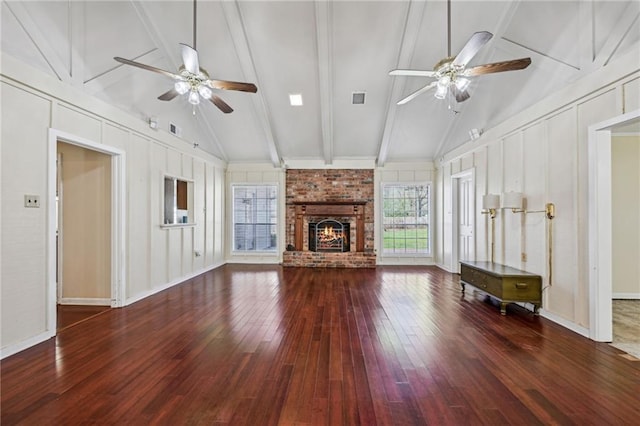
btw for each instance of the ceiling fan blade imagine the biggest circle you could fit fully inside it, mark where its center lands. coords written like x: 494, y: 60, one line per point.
x: 232, y: 85
x: 222, y: 105
x: 190, y: 58
x: 475, y: 43
x: 417, y: 93
x: 512, y: 65
x: 167, y: 96
x: 413, y: 73
x: 148, y: 68
x: 460, y: 95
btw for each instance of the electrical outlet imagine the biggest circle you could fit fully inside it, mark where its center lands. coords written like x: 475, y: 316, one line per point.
x: 523, y: 256
x: 32, y: 201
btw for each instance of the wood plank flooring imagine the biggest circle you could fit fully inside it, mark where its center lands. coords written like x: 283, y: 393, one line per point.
x: 266, y: 345
x: 70, y: 315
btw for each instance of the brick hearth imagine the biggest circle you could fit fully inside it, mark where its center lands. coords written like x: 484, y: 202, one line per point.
x: 338, y: 187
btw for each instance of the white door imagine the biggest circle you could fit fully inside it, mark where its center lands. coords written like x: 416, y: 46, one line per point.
x: 465, y: 218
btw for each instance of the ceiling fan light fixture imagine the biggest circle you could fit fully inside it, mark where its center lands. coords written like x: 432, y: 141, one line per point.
x: 462, y: 83
x: 194, y: 98
x: 441, y: 91
x: 205, y: 92
x: 181, y: 87
x: 444, y: 81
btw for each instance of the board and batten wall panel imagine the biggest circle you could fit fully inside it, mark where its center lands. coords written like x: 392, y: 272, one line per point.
x: 140, y: 212
x: 494, y: 186
x: 478, y: 160
x: 199, y: 214
x: 632, y: 95
x: 210, y: 214
x: 545, y: 157
x: 219, y: 212
x: 513, y: 176
x: 78, y: 123
x: 24, y: 236
x: 534, y: 233
x: 562, y: 176
x: 447, y: 219
x: 625, y: 198
x: 159, y: 238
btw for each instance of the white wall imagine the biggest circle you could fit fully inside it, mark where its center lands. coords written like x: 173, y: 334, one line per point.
x: 625, y: 199
x: 155, y: 257
x: 542, y: 152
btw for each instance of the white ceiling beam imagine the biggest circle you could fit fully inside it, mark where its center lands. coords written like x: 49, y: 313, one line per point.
x: 413, y: 22
x: 77, y: 41
x: 586, y: 31
x: 238, y: 33
x: 324, y: 26
x: 620, y: 30
x: 40, y: 41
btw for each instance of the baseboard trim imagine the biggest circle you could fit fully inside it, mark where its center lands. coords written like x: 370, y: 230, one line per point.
x: 84, y: 301
x: 170, y: 284
x: 444, y: 268
x: 25, y: 344
x: 626, y: 296
x: 583, y: 331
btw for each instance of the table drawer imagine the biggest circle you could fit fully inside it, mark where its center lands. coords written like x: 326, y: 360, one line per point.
x: 524, y: 289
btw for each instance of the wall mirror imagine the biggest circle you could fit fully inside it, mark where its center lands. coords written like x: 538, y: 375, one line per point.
x: 178, y: 201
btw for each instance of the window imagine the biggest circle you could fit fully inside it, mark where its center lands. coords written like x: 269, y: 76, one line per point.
x: 405, y: 218
x: 178, y: 201
x: 255, y: 217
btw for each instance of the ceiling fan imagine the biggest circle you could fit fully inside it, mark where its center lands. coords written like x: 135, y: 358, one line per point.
x: 193, y: 81
x: 452, y: 74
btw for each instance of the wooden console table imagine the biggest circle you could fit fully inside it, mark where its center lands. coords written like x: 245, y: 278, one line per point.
x: 503, y: 282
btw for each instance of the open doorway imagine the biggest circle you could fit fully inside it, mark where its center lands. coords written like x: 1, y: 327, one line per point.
x: 83, y: 202
x: 86, y: 229
x: 603, y: 211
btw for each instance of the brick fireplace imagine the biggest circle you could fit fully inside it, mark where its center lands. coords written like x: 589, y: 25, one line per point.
x: 343, y: 198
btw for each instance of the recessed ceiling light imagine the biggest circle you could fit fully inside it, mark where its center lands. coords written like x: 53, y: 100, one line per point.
x: 295, y: 99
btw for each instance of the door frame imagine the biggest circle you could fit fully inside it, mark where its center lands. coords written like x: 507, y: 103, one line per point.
x: 118, y: 197
x: 600, y: 226
x: 455, y: 219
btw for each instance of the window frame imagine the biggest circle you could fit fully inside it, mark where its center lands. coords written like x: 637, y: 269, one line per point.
x: 428, y: 252
x: 275, y: 224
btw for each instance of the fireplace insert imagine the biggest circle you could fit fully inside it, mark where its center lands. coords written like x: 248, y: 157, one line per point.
x: 329, y: 235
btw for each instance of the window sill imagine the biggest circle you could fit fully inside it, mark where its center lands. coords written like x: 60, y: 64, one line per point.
x: 177, y: 225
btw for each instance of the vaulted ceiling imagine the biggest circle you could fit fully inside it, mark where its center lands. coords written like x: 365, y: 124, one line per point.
x: 326, y: 51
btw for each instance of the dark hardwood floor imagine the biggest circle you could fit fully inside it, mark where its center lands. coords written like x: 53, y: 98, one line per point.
x: 249, y: 344
x: 70, y: 315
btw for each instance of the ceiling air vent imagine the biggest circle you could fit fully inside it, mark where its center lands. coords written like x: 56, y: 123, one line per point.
x: 357, y: 98
x: 173, y: 129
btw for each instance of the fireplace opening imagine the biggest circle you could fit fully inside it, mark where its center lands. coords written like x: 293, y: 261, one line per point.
x: 329, y: 236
